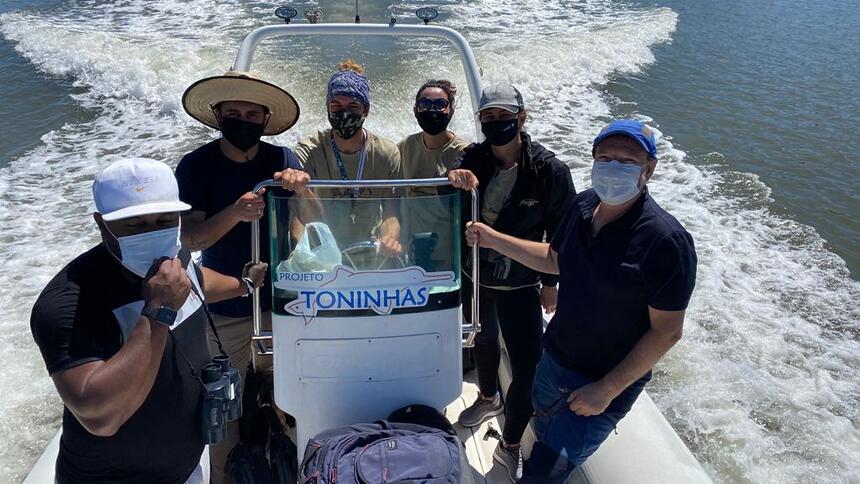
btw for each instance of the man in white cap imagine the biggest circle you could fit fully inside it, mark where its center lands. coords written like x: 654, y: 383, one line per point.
x: 217, y: 180
x: 122, y: 330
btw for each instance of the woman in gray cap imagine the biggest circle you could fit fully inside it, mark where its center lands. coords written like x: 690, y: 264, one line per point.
x: 525, y: 192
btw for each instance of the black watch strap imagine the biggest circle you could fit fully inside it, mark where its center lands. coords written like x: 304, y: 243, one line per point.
x: 162, y: 315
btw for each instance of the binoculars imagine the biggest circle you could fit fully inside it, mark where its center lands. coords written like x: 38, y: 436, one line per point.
x: 222, y: 401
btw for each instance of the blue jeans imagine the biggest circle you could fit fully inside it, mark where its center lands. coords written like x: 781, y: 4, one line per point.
x: 564, y: 439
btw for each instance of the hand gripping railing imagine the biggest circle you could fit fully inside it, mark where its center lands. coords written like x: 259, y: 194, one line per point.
x: 470, y: 330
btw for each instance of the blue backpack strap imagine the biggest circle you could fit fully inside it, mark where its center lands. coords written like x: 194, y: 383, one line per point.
x: 291, y: 160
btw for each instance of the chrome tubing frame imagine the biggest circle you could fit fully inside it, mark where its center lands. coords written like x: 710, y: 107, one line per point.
x: 470, y: 65
x: 470, y: 330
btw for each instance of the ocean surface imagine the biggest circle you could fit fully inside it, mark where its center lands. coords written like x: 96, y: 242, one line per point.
x: 756, y: 103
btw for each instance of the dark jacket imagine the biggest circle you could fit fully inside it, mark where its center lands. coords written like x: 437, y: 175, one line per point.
x: 539, y: 200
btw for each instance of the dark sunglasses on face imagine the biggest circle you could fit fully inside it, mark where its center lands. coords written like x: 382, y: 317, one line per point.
x: 425, y: 104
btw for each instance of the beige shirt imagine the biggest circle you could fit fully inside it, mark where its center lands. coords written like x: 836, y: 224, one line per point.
x: 418, y: 161
x: 498, y: 193
x: 382, y: 163
x: 429, y: 214
x: 351, y: 221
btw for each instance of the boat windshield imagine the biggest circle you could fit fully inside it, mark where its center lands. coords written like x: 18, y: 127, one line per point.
x: 365, y: 250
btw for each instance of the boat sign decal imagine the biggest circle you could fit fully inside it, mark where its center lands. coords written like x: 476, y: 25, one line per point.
x: 346, y: 289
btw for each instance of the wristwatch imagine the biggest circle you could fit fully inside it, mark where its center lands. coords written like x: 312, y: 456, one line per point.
x: 161, y: 315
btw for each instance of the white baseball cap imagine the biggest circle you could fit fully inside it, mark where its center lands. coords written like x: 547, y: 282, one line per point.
x: 136, y: 186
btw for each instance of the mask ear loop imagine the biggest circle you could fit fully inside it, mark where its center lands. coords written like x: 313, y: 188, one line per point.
x: 217, y: 116
x: 116, y: 241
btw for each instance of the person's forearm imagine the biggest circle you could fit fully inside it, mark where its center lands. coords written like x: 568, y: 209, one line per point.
x: 203, y: 234
x: 117, y: 387
x: 535, y: 255
x: 308, y: 207
x: 644, y: 355
x: 390, y: 225
x: 219, y: 287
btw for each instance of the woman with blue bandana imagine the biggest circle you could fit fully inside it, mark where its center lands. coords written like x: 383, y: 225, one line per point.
x: 348, y: 151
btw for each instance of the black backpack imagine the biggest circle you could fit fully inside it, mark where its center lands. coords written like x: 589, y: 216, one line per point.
x: 265, y: 454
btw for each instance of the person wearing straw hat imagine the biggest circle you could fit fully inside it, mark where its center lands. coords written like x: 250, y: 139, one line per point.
x: 348, y: 151
x: 122, y: 331
x: 217, y: 180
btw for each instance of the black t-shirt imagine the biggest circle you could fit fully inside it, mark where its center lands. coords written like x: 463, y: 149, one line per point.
x: 211, y: 182
x: 85, y: 314
x: 645, y: 258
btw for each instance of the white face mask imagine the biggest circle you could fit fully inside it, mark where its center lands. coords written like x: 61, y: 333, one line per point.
x: 139, y: 251
x: 614, y: 182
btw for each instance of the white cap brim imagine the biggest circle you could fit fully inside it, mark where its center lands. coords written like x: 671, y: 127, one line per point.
x: 145, y: 209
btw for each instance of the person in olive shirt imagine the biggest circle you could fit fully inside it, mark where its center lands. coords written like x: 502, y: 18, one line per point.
x: 525, y: 192
x: 627, y: 270
x: 434, y: 150
x: 348, y: 151
x: 430, y: 153
x: 122, y: 331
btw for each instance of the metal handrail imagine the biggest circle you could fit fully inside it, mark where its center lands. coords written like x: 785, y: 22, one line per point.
x: 470, y: 330
x: 470, y: 65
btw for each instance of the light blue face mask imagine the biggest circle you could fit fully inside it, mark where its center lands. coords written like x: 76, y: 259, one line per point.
x: 139, y: 251
x: 614, y: 182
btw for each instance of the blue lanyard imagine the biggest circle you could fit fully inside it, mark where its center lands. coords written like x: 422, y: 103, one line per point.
x: 362, y: 158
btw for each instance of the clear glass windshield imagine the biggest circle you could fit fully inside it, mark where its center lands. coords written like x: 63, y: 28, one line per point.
x: 345, y: 253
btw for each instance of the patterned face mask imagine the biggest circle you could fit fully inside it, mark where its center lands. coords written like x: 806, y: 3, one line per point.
x: 345, y: 123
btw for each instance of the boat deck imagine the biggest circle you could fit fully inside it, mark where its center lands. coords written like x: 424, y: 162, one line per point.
x: 478, y: 442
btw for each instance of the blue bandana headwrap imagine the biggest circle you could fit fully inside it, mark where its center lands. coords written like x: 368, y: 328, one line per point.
x: 349, y: 83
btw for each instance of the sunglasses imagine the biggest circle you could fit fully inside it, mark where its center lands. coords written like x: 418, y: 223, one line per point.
x: 425, y: 104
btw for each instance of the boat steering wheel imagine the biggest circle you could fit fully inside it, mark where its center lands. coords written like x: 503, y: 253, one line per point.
x: 368, y: 250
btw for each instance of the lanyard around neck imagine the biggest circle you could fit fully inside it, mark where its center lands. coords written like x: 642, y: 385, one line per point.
x: 362, y: 158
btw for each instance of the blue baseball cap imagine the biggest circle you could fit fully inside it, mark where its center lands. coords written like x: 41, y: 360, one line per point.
x: 640, y: 132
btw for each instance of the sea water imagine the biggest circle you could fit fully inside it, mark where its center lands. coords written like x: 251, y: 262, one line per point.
x: 764, y: 385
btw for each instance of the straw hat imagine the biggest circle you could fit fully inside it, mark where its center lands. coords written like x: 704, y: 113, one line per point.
x: 199, y: 99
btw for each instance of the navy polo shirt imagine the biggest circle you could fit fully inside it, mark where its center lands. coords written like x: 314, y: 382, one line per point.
x: 645, y: 258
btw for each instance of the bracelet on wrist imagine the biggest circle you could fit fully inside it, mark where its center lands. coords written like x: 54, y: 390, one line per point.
x: 249, y: 286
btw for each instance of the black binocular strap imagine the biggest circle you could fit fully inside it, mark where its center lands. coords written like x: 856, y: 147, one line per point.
x: 209, y: 319
x: 194, y: 371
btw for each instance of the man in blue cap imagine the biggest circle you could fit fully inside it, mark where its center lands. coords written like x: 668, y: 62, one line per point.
x: 627, y: 270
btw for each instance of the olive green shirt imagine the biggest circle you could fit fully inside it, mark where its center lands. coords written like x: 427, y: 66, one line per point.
x: 423, y: 211
x: 418, y: 161
x: 351, y: 220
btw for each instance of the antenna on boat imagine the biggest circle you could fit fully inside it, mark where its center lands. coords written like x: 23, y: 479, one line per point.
x: 286, y: 13
x: 313, y: 16
x: 427, y: 14
x: 357, y: 17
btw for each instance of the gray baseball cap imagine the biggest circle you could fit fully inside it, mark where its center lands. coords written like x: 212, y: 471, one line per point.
x: 501, y: 95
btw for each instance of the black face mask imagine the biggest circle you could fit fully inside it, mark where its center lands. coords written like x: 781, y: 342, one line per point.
x: 433, y: 122
x: 241, y: 134
x: 346, y: 123
x: 500, y: 133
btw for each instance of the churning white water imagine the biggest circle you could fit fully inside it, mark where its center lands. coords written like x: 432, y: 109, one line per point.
x: 764, y: 386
